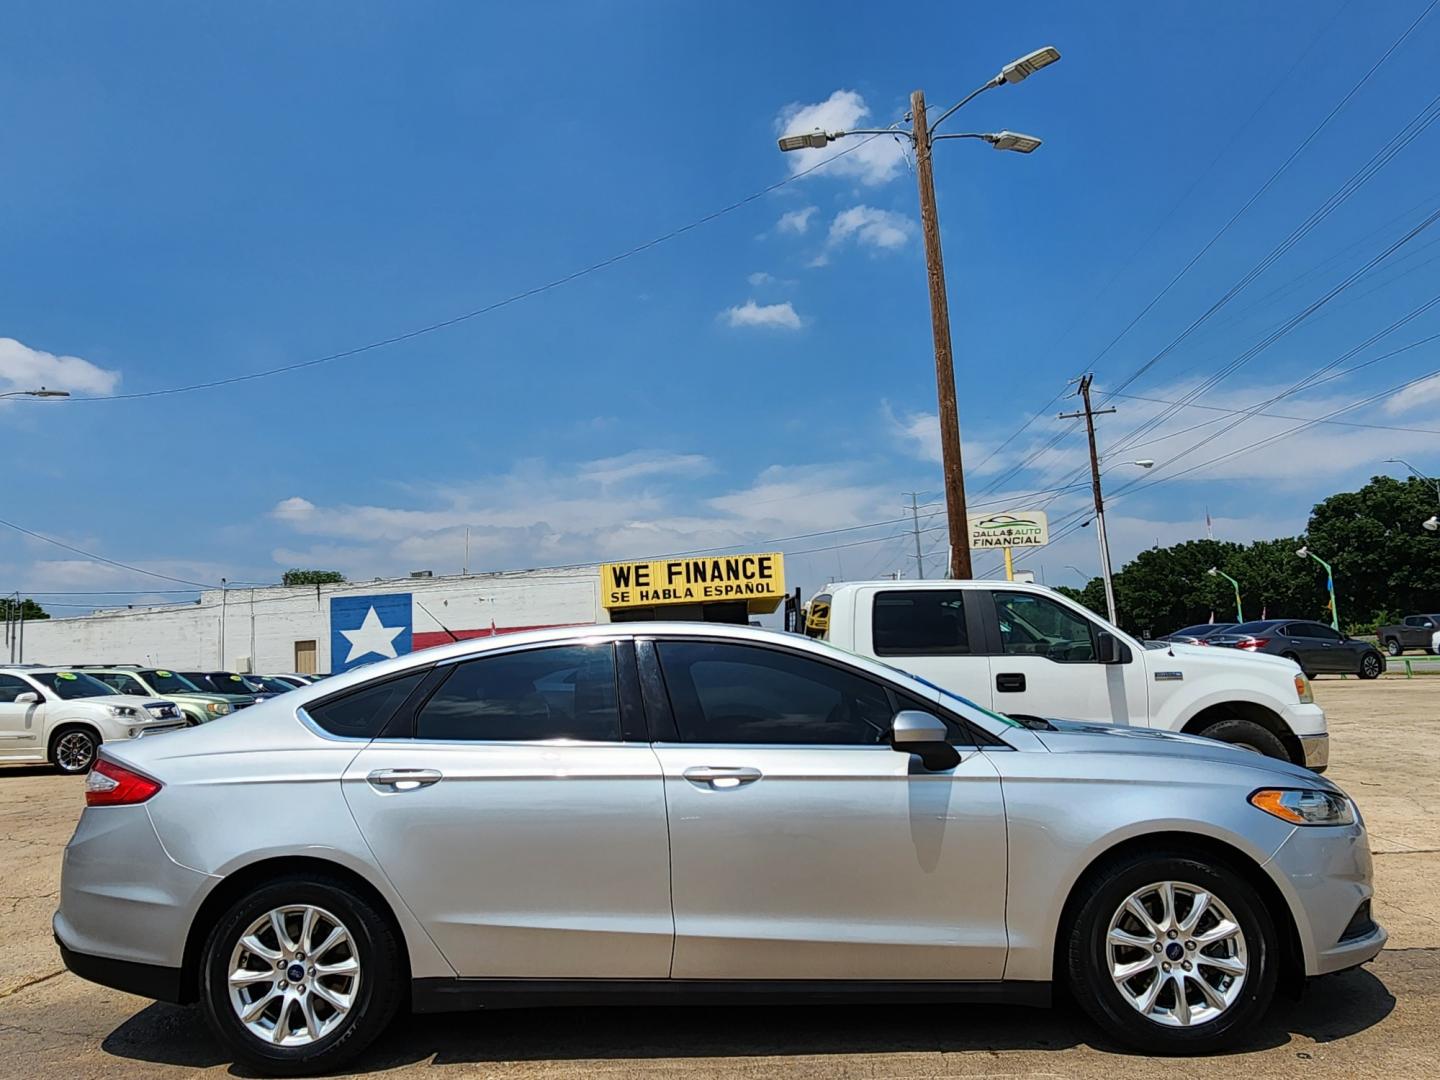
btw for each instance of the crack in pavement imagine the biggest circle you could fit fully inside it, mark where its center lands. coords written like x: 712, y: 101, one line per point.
x: 31, y: 982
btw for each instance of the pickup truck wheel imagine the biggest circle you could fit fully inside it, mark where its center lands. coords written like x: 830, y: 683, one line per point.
x: 1371, y: 665
x: 1247, y: 735
x: 1392, y: 646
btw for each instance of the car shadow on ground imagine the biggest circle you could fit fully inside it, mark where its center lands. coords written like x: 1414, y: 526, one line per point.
x: 28, y: 770
x: 1333, y: 1009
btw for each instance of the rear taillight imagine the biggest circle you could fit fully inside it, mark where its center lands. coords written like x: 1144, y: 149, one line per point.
x: 113, y: 785
x: 1253, y: 643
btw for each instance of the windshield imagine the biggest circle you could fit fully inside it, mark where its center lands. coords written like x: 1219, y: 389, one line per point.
x: 167, y: 682
x: 67, y: 685
x: 271, y: 684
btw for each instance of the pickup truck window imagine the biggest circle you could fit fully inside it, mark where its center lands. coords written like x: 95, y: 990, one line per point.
x: 920, y: 622
x: 1038, y: 626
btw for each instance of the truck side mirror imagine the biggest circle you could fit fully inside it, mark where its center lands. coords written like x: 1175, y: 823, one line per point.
x: 919, y: 733
x: 1109, y: 650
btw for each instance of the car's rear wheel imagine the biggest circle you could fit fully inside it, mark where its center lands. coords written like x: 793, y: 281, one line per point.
x: 1371, y: 665
x: 1392, y: 646
x: 1247, y: 735
x: 300, y: 976
x: 73, y: 749
x: 1172, y: 954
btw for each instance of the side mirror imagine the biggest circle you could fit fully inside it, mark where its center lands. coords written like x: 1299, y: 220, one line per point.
x: 29, y: 697
x: 1106, y: 648
x: 919, y: 733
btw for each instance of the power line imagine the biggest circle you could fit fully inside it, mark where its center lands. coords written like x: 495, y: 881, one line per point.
x: 101, y: 558
x: 1270, y: 415
x: 514, y: 298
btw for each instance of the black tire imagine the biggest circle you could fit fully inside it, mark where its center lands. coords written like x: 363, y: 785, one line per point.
x: 73, y: 750
x: 1248, y: 735
x: 376, y: 948
x: 1087, y: 956
x: 1372, y: 665
x: 1392, y: 646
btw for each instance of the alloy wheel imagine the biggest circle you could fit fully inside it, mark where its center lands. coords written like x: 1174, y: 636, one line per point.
x: 1177, y: 954
x: 75, y: 751
x: 294, y: 975
x: 1370, y: 665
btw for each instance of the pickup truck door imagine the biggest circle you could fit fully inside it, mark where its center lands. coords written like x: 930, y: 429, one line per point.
x: 937, y: 634
x: 1044, y: 663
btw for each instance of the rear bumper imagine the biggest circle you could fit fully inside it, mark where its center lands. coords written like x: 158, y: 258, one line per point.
x: 143, y: 980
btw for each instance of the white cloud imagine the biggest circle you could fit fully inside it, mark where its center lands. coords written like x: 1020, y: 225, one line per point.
x: 883, y: 230
x: 773, y: 316
x: 24, y: 368
x: 919, y: 434
x: 760, y: 277
x: 1425, y: 392
x: 638, y: 463
x: 872, y: 162
x: 796, y: 222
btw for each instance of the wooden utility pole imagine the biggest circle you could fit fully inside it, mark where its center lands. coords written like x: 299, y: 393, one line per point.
x: 1100, y: 536
x: 944, y: 360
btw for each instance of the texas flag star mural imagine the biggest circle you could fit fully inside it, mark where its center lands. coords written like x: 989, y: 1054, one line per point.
x: 364, y: 629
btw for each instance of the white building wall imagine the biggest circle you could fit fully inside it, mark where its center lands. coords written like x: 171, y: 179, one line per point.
x: 262, y: 626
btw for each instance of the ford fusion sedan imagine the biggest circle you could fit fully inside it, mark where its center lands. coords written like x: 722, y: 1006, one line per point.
x: 671, y: 812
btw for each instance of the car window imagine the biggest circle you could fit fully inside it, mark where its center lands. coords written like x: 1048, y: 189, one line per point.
x: 1195, y: 631
x: 566, y: 692
x: 1319, y: 630
x: 124, y: 684
x: 1413, y: 620
x: 11, y: 686
x: 730, y: 693
x: 167, y: 682
x: 920, y: 622
x: 70, y: 685
x: 363, y: 712
x: 1038, y: 626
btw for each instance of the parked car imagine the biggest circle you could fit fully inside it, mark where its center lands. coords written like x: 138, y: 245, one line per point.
x: 1317, y: 648
x: 199, y: 706
x: 274, y: 684
x: 294, y: 679
x: 227, y: 682
x: 1412, y: 632
x: 626, y: 839
x: 1027, y: 651
x: 62, y: 717
x: 1198, y: 634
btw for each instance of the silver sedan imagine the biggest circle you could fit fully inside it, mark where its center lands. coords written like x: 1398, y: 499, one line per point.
x: 688, y: 811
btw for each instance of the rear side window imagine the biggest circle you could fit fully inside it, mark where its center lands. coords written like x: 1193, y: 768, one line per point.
x: 920, y: 622
x: 567, y: 692
x: 363, y: 712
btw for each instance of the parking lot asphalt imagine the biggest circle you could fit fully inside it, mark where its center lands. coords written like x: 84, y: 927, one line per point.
x: 1377, y: 1021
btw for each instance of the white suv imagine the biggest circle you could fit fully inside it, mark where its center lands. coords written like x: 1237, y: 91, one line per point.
x: 61, y: 716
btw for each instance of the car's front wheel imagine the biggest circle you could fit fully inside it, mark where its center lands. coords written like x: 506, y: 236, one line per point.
x: 300, y: 976
x: 1371, y: 665
x: 73, y: 749
x: 1172, y: 954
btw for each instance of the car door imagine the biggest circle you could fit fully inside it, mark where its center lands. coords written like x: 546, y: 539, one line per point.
x: 1045, y: 663
x: 520, y: 822
x: 802, y: 846
x: 22, y: 726
x: 1325, y: 649
x: 932, y: 633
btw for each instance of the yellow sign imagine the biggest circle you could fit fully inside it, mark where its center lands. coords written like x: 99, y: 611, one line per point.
x: 757, y: 579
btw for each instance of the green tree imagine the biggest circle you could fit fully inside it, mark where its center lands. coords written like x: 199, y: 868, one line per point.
x: 27, y: 609
x: 313, y: 577
x: 1163, y: 589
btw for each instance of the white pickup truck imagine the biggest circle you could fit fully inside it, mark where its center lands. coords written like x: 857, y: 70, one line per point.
x: 1031, y: 653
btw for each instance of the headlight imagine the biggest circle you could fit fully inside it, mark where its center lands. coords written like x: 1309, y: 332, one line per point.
x: 1307, y: 807
x: 123, y: 710
x: 217, y: 708
x: 1302, y: 689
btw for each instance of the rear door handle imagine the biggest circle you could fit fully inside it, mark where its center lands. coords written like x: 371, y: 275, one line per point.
x: 1008, y: 682
x: 721, y: 776
x: 403, y: 779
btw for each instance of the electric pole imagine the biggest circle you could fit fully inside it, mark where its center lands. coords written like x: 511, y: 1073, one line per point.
x: 1104, y: 542
x: 960, y: 567
x: 915, y: 523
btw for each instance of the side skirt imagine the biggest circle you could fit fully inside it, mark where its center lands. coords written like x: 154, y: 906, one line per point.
x: 459, y: 995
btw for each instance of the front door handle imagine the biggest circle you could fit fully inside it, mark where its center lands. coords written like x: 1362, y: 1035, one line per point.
x: 403, y: 779
x: 721, y: 776
x: 1010, y: 682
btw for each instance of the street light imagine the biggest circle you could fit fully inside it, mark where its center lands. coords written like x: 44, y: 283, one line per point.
x: 922, y: 137
x: 41, y: 393
x: 1432, y: 523
x: 1306, y: 553
x: 1215, y: 571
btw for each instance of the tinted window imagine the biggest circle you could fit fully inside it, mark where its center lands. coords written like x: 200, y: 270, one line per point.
x: 567, y: 692
x: 167, y: 682
x: 10, y: 686
x: 920, y: 622
x: 1195, y: 631
x: 1260, y: 626
x: 1038, y: 626
x: 1414, y: 620
x: 726, y: 693
x: 69, y: 685
x: 125, y: 684
x: 1316, y: 630
x: 363, y: 712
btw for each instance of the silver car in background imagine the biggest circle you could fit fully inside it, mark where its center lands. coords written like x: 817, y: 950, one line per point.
x: 690, y: 811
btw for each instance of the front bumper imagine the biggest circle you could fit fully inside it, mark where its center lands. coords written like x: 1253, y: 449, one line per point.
x: 1317, y: 751
x: 1326, y: 872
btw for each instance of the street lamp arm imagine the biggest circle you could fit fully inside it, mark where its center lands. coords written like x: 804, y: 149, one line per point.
x: 996, y: 81
x: 962, y: 135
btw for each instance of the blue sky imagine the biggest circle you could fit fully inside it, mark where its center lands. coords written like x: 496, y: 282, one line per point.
x: 196, y: 191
